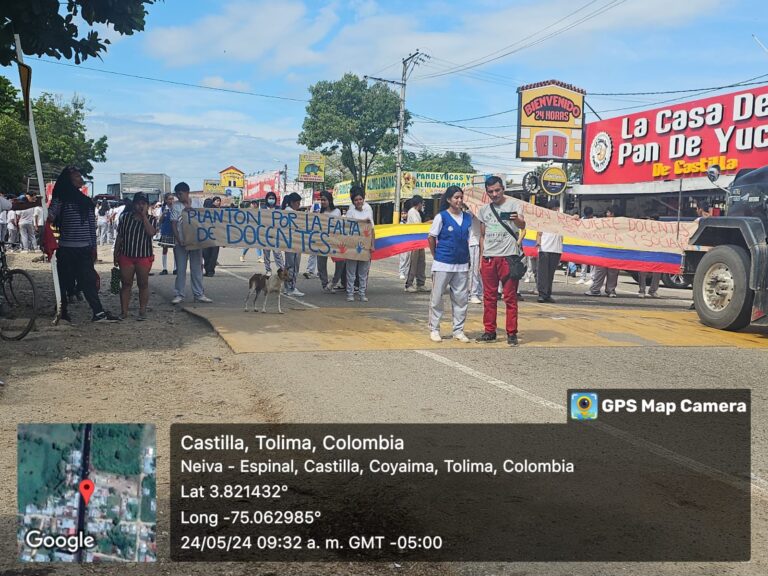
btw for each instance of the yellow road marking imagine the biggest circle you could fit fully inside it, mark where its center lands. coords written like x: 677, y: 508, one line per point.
x: 363, y: 328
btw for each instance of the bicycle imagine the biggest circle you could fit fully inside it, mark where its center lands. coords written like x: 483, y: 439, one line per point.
x: 18, y: 300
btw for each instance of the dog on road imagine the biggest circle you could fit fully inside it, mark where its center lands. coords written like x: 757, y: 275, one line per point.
x: 262, y: 283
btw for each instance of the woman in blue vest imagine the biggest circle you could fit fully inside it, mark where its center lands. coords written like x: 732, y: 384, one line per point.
x: 449, y: 245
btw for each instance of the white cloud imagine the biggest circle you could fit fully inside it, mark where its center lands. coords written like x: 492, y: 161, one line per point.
x: 219, y: 82
x: 281, y: 35
x: 276, y: 34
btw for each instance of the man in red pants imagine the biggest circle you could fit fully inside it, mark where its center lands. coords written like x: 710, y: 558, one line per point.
x: 500, y: 225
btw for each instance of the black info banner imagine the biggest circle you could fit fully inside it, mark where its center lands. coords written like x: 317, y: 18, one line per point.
x: 633, y: 475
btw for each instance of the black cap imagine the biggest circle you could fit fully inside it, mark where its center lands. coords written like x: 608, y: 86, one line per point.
x: 140, y: 197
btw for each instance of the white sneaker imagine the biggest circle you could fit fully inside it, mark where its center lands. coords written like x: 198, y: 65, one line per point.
x: 475, y: 300
x: 435, y: 336
x: 580, y: 281
x: 242, y: 258
x: 177, y: 300
x: 641, y: 295
x: 402, y: 276
x: 295, y: 293
x: 363, y: 298
x: 204, y: 299
x: 411, y: 289
x: 461, y: 337
x: 588, y: 283
x: 350, y: 298
x: 260, y: 260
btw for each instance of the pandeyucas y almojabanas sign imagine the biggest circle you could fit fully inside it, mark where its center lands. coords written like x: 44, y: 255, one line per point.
x: 550, y: 121
x: 299, y: 232
x: 381, y: 187
x: 682, y: 140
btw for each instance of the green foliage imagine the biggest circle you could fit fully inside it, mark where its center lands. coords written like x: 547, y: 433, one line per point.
x: 61, y: 136
x: 353, y: 118
x: 335, y: 171
x: 50, y: 28
x: 116, y: 448
x: 15, y: 154
x: 426, y: 161
x: 42, y: 451
x: 147, y: 514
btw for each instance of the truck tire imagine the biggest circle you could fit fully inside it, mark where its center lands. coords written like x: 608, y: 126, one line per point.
x: 721, y: 292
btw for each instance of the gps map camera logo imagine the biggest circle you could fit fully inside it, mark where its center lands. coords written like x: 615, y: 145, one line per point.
x: 584, y: 406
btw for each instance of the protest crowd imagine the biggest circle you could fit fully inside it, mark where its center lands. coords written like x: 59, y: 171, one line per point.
x: 476, y: 258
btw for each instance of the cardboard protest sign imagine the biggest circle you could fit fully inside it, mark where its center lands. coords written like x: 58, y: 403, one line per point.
x: 299, y: 232
x: 629, y: 233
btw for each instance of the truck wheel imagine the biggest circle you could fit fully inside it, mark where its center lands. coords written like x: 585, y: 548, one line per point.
x: 721, y: 291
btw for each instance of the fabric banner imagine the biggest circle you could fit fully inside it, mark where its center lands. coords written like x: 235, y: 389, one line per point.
x: 299, y: 232
x: 393, y: 239
x: 623, y: 243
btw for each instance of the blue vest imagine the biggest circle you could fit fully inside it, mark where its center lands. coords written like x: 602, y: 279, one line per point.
x: 453, y: 240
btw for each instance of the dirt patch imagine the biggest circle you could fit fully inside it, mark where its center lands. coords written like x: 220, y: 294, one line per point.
x: 170, y: 368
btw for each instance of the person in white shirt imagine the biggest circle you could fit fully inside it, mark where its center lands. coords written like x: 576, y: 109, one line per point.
x: 405, y: 257
x: 449, y: 245
x: 550, y: 247
x: 114, y: 220
x: 291, y: 203
x: 5, y: 205
x: 360, y: 210
x: 102, y: 223
x: 327, y: 207
x: 13, y: 229
x: 39, y: 225
x: 475, y: 280
x: 418, y: 266
x: 26, y: 222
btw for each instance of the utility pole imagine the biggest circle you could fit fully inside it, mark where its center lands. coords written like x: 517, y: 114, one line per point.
x: 409, y: 63
x: 285, y: 181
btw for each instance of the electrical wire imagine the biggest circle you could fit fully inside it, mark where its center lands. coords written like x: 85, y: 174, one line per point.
x: 503, y: 52
x: 173, y: 82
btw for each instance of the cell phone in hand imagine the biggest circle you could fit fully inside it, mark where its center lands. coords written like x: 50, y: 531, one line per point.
x: 508, y: 215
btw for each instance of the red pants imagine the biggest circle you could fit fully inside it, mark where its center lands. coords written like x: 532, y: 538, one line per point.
x: 492, y: 270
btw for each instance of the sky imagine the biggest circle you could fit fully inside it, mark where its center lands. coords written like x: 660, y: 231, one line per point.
x: 281, y: 47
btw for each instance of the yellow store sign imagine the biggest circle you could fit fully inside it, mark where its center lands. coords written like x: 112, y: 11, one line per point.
x: 550, y: 122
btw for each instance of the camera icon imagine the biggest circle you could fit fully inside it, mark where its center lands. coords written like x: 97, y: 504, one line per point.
x: 584, y: 406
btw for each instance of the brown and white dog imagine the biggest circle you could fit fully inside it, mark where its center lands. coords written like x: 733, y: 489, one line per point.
x: 262, y: 283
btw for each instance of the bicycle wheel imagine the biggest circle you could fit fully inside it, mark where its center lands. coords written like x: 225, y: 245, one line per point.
x: 18, y: 305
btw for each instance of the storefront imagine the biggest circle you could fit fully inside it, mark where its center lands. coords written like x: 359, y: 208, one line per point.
x: 654, y: 163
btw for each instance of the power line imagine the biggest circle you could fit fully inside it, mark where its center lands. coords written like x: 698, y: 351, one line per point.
x: 492, y: 56
x: 660, y: 92
x: 435, y: 121
x: 175, y: 83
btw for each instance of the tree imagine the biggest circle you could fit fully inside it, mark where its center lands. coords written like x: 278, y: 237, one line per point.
x: 15, y: 155
x: 335, y: 171
x: 48, y: 27
x: 426, y: 161
x: 61, y: 135
x: 358, y: 120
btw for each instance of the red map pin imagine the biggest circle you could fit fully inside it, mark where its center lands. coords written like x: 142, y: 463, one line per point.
x: 86, y: 489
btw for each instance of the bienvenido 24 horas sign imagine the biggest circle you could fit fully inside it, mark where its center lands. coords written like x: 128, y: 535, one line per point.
x: 682, y: 140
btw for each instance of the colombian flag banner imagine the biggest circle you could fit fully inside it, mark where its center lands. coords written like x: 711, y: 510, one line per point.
x: 609, y: 256
x: 394, y: 239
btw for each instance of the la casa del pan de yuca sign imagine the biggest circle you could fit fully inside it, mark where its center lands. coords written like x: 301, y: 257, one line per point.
x: 683, y: 140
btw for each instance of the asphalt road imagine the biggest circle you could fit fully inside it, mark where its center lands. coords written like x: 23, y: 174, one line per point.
x: 383, y: 381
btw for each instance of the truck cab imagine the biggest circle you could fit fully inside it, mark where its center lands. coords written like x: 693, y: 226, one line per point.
x: 728, y: 256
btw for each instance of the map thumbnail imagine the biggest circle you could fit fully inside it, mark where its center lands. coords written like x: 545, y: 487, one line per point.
x: 86, y: 493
